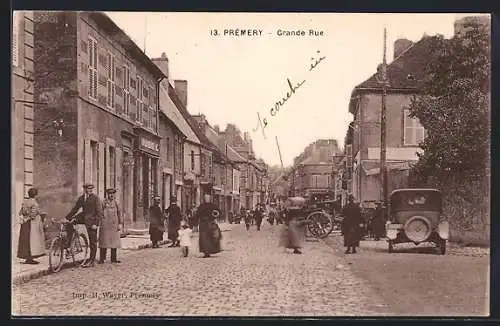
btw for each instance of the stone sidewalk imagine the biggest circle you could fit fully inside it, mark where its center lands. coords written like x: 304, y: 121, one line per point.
x: 22, y: 273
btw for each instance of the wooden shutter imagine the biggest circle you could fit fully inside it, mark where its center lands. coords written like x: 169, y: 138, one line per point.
x: 87, y: 161
x: 101, y: 171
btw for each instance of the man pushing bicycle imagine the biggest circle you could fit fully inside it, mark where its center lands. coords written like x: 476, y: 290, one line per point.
x: 91, y: 215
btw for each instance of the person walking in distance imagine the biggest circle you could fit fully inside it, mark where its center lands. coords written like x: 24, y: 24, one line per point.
x: 258, y: 216
x: 156, y: 222
x: 31, y: 236
x: 174, y: 215
x: 91, y: 215
x: 351, y: 225
x: 185, y: 235
x: 248, y: 219
x: 110, y: 227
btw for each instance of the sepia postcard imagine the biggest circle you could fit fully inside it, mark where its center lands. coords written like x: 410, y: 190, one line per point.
x: 250, y: 164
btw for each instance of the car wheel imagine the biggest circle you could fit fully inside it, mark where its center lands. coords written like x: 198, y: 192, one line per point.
x: 391, y: 246
x: 442, y: 247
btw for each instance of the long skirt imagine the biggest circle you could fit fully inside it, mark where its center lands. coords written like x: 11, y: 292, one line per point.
x: 352, y: 236
x: 31, y: 240
x: 209, y: 239
x: 155, y: 234
x: 292, y: 235
x: 173, y: 233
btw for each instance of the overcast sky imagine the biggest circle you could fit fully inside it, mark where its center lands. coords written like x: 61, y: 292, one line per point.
x: 231, y: 79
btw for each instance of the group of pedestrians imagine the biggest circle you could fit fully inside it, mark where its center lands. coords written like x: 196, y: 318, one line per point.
x: 180, y: 230
x: 251, y: 217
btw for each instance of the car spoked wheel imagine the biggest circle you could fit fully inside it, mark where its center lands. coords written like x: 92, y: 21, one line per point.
x: 417, y: 229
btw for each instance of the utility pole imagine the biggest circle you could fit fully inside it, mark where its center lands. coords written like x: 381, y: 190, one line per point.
x: 383, y: 142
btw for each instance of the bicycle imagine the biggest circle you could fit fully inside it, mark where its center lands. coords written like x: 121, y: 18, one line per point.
x: 60, y: 249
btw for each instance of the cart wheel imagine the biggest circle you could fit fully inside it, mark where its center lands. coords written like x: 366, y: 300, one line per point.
x: 391, y: 246
x: 441, y: 245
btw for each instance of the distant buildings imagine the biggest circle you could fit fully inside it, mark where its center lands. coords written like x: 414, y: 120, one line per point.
x: 314, y: 169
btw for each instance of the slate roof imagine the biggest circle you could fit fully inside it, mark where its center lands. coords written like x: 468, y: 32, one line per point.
x: 412, y: 61
x: 171, y: 111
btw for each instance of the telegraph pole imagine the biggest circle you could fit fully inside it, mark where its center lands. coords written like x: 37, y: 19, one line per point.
x: 383, y: 142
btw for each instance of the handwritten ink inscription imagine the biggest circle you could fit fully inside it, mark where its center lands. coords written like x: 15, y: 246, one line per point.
x: 262, y: 123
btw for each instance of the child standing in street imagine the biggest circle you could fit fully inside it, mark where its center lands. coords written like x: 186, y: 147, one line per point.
x: 185, y: 235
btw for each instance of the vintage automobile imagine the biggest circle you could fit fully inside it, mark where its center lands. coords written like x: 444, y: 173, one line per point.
x: 415, y: 215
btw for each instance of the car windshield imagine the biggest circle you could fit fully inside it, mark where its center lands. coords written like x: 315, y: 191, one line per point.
x: 416, y: 200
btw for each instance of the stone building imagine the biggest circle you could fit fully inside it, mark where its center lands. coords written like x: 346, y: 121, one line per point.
x: 314, y: 169
x: 105, y: 89
x: 403, y: 133
x: 22, y: 127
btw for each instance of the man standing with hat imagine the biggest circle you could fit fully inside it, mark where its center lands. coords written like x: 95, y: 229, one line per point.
x: 109, y: 231
x: 91, y: 215
x: 174, y: 221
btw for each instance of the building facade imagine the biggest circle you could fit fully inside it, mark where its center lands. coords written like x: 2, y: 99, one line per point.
x: 403, y: 134
x: 22, y: 112
x: 105, y: 89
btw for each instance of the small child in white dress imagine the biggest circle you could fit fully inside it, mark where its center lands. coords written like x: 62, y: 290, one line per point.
x: 185, y: 235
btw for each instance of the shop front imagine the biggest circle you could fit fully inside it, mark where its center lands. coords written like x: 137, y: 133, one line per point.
x: 147, y: 156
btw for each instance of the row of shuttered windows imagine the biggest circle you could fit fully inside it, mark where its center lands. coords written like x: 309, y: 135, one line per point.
x: 117, y: 85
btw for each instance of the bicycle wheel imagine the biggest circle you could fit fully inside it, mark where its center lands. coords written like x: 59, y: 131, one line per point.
x: 79, y: 248
x: 56, y: 255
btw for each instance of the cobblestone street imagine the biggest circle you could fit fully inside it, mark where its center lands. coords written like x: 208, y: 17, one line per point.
x: 251, y: 277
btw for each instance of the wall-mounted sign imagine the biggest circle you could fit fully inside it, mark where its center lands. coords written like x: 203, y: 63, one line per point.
x: 149, y: 144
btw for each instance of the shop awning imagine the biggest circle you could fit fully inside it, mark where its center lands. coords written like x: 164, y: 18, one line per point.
x: 373, y: 167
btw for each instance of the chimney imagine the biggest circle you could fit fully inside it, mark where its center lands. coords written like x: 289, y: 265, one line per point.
x: 181, y: 89
x: 245, y: 136
x: 217, y: 128
x: 400, y: 46
x: 162, y: 64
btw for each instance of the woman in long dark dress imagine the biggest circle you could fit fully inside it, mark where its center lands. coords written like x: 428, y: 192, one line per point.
x: 351, y: 225
x: 31, y: 236
x: 210, y: 234
x: 174, y: 221
x: 156, y: 222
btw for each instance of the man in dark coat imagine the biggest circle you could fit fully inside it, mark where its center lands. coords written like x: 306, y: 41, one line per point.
x: 258, y: 215
x: 91, y: 216
x: 378, y: 222
x: 210, y: 234
x: 174, y: 215
x: 351, y: 225
x: 156, y: 222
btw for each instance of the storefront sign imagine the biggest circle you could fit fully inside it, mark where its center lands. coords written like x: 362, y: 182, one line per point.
x: 150, y: 145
